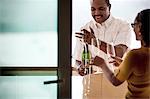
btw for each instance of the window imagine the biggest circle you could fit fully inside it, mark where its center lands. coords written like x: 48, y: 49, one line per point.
x: 28, y: 33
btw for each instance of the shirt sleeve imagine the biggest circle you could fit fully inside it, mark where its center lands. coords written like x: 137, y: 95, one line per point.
x: 124, y: 35
x: 77, y: 50
x: 126, y: 68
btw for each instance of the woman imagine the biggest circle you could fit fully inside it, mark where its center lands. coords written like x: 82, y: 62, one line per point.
x: 135, y: 68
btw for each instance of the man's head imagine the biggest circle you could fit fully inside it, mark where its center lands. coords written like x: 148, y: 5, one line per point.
x: 100, y: 10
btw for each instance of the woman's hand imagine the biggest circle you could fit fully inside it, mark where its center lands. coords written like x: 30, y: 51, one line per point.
x: 98, y: 61
x: 117, y: 61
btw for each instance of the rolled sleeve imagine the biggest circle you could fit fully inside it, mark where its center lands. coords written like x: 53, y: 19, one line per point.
x: 124, y: 35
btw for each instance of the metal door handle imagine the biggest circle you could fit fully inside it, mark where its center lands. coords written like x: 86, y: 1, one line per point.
x: 53, y: 81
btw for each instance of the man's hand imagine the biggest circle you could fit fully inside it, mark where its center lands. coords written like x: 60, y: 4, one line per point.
x: 86, y: 35
x: 81, y: 71
x: 81, y: 68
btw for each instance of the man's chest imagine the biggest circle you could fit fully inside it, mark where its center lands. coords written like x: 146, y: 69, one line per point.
x: 106, y: 34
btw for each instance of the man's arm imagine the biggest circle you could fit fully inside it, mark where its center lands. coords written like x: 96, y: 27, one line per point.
x: 119, y: 49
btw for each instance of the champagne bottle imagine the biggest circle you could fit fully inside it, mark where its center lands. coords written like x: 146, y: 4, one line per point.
x: 86, y: 56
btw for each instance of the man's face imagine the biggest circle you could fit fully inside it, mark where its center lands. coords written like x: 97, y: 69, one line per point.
x: 100, y: 10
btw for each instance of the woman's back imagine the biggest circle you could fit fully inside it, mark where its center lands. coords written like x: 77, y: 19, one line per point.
x: 139, y: 79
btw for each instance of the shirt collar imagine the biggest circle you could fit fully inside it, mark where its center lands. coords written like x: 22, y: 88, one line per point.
x: 105, y: 23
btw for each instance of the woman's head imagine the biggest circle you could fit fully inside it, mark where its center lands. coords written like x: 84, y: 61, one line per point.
x: 142, y: 26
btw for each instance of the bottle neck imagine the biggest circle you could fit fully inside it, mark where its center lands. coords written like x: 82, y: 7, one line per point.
x: 86, y: 53
x: 86, y: 49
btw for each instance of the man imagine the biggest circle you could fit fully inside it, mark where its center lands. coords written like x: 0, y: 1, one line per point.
x: 105, y: 29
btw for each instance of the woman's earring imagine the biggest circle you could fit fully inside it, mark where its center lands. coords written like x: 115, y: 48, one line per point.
x: 140, y: 35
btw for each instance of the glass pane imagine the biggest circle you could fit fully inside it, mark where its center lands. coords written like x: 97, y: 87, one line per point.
x: 28, y: 33
x: 27, y: 87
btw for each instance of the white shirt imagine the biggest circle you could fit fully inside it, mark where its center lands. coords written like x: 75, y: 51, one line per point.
x: 113, y: 30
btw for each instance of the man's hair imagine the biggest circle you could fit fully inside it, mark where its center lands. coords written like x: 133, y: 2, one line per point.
x: 107, y: 2
x: 144, y: 18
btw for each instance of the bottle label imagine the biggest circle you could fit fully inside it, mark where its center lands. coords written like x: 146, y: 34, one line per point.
x: 85, y: 56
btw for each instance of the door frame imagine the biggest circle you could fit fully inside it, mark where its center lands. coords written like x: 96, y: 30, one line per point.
x: 64, y: 48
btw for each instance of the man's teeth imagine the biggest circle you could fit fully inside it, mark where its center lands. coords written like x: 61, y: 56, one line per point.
x: 98, y: 17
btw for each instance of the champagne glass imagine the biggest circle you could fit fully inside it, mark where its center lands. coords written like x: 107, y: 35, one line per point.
x: 110, y: 52
x: 88, y: 81
x: 88, y: 77
x: 101, y: 81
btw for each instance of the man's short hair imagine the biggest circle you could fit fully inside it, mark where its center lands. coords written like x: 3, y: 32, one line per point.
x: 107, y: 2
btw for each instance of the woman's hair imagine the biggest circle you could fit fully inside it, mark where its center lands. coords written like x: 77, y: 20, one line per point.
x: 144, y: 18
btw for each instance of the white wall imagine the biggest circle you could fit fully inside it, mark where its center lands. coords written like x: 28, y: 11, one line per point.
x: 125, y: 9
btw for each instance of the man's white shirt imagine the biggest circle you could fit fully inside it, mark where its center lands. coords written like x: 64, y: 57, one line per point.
x: 113, y: 30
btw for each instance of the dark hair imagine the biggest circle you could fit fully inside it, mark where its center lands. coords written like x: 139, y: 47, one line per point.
x: 108, y: 2
x: 144, y: 18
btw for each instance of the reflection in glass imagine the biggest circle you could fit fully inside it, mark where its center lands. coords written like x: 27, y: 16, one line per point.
x: 27, y: 87
x: 28, y: 33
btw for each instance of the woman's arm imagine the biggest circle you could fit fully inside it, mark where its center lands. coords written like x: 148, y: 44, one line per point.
x: 107, y: 72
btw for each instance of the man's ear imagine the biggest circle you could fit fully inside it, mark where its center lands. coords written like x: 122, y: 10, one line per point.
x: 109, y: 7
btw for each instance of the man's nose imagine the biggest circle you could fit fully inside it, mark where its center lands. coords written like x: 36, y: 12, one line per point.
x: 97, y: 12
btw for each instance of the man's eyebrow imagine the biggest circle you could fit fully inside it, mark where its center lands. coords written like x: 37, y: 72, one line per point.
x: 100, y: 6
x: 92, y: 8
